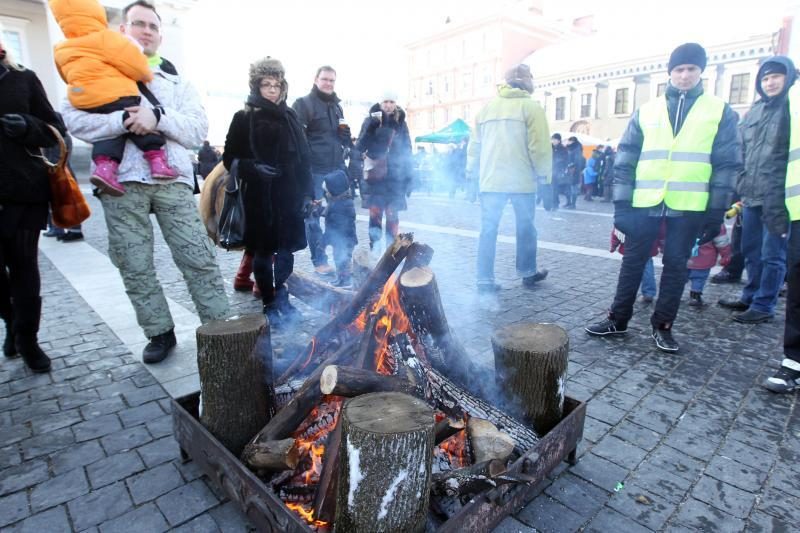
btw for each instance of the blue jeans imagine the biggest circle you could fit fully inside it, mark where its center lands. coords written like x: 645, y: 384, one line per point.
x: 314, y: 229
x: 697, y: 278
x: 492, y: 204
x: 648, y: 286
x: 765, y: 261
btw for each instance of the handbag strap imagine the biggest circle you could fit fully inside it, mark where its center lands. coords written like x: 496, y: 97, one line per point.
x: 145, y: 90
x: 63, y: 152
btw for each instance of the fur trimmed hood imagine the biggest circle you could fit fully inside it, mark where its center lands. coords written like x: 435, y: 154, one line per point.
x: 268, y: 67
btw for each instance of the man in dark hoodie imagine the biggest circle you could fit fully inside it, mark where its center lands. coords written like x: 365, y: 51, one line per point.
x: 675, y: 165
x: 765, y: 137
x: 323, y: 120
x: 575, y: 165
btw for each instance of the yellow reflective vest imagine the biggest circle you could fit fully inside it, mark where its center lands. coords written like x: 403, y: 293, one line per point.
x: 672, y: 169
x: 793, y: 168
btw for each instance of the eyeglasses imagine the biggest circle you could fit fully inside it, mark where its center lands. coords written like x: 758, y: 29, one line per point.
x: 140, y: 24
x: 274, y: 86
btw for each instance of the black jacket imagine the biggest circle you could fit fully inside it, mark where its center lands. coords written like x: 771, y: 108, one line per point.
x: 726, y: 156
x: 765, y: 144
x: 24, y: 178
x: 575, y: 163
x: 560, y: 158
x: 273, y: 208
x: 319, y: 113
x: 373, y: 141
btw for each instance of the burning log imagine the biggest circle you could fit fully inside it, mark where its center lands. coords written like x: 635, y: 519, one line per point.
x: 318, y: 294
x: 348, y: 381
x: 487, y: 441
x: 234, y: 360
x: 275, y: 456
x: 446, y: 428
x: 467, y: 480
x: 531, y: 361
x: 385, y: 463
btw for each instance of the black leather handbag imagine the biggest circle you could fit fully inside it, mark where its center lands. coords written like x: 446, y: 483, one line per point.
x: 231, y: 219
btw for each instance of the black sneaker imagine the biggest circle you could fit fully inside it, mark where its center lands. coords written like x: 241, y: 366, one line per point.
x: 734, y: 303
x: 530, y: 281
x: 665, y: 341
x: 725, y: 277
x: 751, y: 316
x: 71, y: 236
x: 785, y: 379
x: 696, y: 299
x: 607, y: 327
x: 159, y: 347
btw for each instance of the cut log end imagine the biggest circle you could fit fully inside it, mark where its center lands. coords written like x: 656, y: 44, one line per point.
x: 327, y: 382
x: 272, y: 456
x: 232, y: 326
x: 487, y: 441
x: 417, y: 277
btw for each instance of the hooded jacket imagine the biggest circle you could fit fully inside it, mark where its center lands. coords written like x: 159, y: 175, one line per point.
x: 726, y: 156
x: 511, y: 144
x: 99, y: 65
x: 765, y: 145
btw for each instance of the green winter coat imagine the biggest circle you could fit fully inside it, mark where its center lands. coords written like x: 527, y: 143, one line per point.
x: 511, y: 144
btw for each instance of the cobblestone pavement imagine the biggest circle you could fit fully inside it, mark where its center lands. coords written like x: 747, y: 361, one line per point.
x: 692, y: 435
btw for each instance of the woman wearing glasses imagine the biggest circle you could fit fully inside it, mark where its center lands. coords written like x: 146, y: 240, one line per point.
x: 102, y: 68
x: 267, y: 150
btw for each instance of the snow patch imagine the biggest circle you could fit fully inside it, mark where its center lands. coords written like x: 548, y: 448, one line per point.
x: 354, y: 456
x: 389, y: 496
x: 561, y: 393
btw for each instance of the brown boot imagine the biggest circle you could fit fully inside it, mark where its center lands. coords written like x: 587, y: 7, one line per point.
x: 242, y: 281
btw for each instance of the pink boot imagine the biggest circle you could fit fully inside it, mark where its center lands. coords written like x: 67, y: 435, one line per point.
x: 105, y: 176
x: 159, y: 168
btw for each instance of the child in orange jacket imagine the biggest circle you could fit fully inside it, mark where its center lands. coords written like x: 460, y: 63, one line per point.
x: 102, y: 68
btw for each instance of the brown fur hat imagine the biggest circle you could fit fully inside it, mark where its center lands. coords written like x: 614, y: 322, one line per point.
x: 268, y: 67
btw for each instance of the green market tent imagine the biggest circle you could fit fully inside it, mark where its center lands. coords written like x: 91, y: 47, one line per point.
x: 454, y: 132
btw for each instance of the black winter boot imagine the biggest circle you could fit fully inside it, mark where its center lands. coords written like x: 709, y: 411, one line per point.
x: 289, y: 313
x: 9, y: 346
x: 28, y: 312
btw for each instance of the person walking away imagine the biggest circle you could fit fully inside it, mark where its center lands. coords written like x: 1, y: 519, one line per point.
x: 322, y: 118
x: 509, y: 151
x: 703, y: 259
x: 675, y: 165
x: 384, y: 135
x: 765, y: 137
x: 558, y: 178
x: 182, y: 122
x: 575, y: 165
x: 340, y: 226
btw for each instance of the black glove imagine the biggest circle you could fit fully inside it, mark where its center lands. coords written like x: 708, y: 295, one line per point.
x: 374, y: 123
x: 344, y: 134
x: 14, y: 125
x: 624, y: 216
x: 711, y: 225
x: 308, y: 207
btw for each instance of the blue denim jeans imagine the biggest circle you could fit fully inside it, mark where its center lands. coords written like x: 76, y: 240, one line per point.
x: 648, y: 286
x: 492, y: 204
x: 697, y: 278
x: 314, y: 229
x: 765, y: 261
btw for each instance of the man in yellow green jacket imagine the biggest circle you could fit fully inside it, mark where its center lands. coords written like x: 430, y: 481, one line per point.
x: 510, y: 153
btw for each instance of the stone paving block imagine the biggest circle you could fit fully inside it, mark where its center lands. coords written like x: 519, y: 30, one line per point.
x: 33, y: 381
x: 117, y: 388
x: 77, y: 399
x: 639, y: 436
x: 102, y: 407
x: 15, y: 402
x: 55, y: 421
x: 144, y: 519
x: 125, y: 440
x: 71, y: 375
x: 230, y: 518
x: 152, y: 483
x: 22, y: 476
x: 16, y: 433
x: 620, y: 452
x: 548, y: 515
x: 50, y: 392
x: 605, y: 412
x: 763, y: 523
x: 82, y: 358
x: 662, y: 482
x: 699, y: 445
x: 160, y: 427
x: 189, y: 470
x: 780, y: 504
x: 159, y: 451
x: 724, y: 497
x: 21, y: 415
x: 76, y: 456
x: 132, y: 371
x: 767, y: 442
x: 143, y: 413
x: 594, y: 430
x: 646, y: 508
x: 106, y: 363
x: 145, y: 394
x: 599, y: 471
x: 143, y: 378
x: 591, y: 380
x: 51, y: 521
x: 13, y: 508
x: 114, y: 468
x: 737, y: 474
x: 577, y: 494
x: 661, y: 404
x: 91, y: 381
x: 59, y: 489
x: 785, y: 479
x: 186, y: 502
x: 47, y: 443
x: 609, y: 520
x: 96, y: 427
x: 676, y: 462
x: 5, y: 419
x: 701, y: 516
x: 653, y: 420
x: 9, y: 456
x: 202, y: 524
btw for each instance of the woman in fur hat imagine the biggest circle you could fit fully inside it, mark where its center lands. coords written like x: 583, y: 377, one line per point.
x: 273, y: 164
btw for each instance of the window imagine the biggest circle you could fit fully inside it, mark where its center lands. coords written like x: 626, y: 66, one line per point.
x: 561, y: 103
x: 739, y: 88
x: 486, y: 78
x: 621, y: 101
x: 586, y: 105
x: 429, y: 90
x: 661, y: 89
x: 446, y: 85
x: 12, y: 40
x: 466, y: 82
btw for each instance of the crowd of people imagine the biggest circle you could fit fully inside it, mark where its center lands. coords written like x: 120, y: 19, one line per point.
x: 672, y: 178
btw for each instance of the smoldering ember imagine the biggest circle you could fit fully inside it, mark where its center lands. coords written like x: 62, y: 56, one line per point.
x: 381, y: 423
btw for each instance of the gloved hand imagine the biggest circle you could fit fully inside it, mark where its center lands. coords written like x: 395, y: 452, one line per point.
x: 13, y: 125
x: 736, y: 209
x: 624, y: 216
x: 711, y: 225
x: 344, y: 134
x: 374, y: 123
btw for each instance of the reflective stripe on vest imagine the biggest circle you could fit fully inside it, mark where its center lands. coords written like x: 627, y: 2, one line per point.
x: 793, y: 168
x: 676, y: 170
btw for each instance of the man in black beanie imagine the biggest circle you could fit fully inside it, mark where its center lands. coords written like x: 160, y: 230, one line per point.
x: 675, y: 165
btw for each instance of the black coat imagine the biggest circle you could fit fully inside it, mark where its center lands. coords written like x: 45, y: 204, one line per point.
x: 273, y: 208
x: 560, y: 159
x: 23, y: 178
x: 373, y: 141
x: 575, y: 163
x: 319, y: 113
x: 207, y: 159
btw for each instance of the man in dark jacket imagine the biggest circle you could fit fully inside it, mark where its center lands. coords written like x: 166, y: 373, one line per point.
x: 765, y: 137
x: 684, y: 182
x: 559, y: 167
x: 575, y: 165
x: 323, y: 120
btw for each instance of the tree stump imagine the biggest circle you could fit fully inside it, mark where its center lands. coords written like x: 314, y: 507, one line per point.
x: 531, y: 362
x: 386, y: 455
x: 234, y: 359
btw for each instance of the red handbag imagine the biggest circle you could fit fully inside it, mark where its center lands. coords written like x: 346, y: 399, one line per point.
x: 67, y: 203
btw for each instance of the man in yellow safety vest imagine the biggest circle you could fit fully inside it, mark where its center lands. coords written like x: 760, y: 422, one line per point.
x: 676, y: 164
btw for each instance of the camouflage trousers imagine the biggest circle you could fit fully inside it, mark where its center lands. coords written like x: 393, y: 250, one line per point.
x: 130, y: 247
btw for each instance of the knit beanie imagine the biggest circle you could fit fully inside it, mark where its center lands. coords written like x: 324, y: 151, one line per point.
x: 520, y: 77
x: 267, y: 67
x: 688, y: 54
x: 772, y: 67
x: 388, y: 95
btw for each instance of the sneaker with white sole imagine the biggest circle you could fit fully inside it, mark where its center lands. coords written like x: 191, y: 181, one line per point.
x: 786, y: 379
x: 607, y: 327
x: 664, y: 340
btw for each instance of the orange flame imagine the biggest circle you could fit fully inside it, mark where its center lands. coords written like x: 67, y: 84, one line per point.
x: 455, y: 449
x: 310, y: 353
x: 306, y: 514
